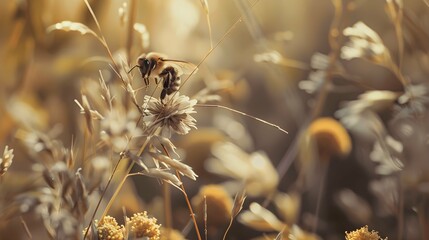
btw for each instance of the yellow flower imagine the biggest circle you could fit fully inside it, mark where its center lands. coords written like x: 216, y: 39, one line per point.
x: 140, y: 225
x: 219, y: 204
x: 109, y: 229
x: 363, y: 234
x: 330, y: 137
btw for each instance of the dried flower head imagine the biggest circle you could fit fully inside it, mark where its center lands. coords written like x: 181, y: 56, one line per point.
x: 330, y: 137
x: 365, y: 43
x: 6, y: 160
x: 109, y: 229
x: 363, y: 234
x: 118, y: 126
x: 260, y: 218
x: 288, y: 206
x: 255, y: 169
x: 141, y: 225
x: 387, y: 152
x: 320, y: 63
x: 413, y: 101
x: 173, y: 115
x: 219, y: 204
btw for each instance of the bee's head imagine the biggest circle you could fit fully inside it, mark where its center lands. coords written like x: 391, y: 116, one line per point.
x: 144, y: 65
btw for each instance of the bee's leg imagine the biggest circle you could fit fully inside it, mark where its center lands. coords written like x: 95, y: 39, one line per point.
x: 163, y: 94
x: 146, y: 81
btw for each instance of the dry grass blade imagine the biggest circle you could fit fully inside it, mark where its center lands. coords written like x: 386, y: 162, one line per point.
x: 27, y: 230
x: 163, y: 175
x: 239, y: 199
x: 205, y: 6
x: 244, y: 114
x: 205, y: 217
x: 260, y: 218
x: 6, y: 160
x: 68, y: 26
x: 175, y: 164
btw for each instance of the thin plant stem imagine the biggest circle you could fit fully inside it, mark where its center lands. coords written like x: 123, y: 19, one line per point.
x: 227, y: 229
x: 101, y: 198
x: 189, y: 206
x: 335, y: 41
x: 25, y: 226
x: 103, y: 41
x: 167, y: 207
x: 112, y: 199
x: 240, y: 19
x: 182, y: 186
x: 130, y: 30
x: 115, y: 194
x: 400, y: 210
x: 205, y: 218
x: 324, y: 173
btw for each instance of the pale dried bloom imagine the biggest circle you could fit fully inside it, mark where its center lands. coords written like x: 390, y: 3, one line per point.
x: 172, y: 116
x: 320, y: 63
x: 255, y: 169
x: 371, y: 100
x: 6, y: 160
x: 119, y: 126
x: 414, y: 100
x: 386, y: 153
x: 365, y: 43
x: 363, y: 234
x: 288, y: 206
x: 270, y: 56
x: 260, y: 218
x: 360, y: 115
x: 109, y: 229
x: 314, y: 82
x: 140, y: 225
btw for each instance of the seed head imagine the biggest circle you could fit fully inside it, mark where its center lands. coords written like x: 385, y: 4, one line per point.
x: 6, y: 160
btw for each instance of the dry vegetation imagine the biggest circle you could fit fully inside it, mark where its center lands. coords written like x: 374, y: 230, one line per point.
x: 96, y: 149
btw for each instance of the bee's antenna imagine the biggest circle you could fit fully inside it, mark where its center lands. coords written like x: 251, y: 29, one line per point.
x: 132, y: 68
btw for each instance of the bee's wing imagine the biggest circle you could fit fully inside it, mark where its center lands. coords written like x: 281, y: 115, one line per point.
x: 183, y: 66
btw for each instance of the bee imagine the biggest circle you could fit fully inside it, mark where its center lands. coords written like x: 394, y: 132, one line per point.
x: 157, y: 67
